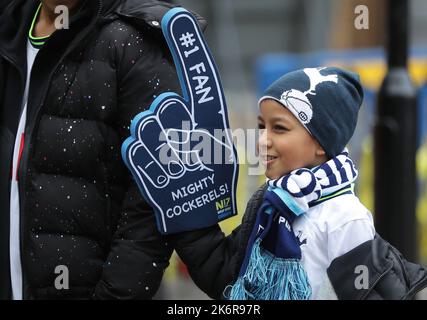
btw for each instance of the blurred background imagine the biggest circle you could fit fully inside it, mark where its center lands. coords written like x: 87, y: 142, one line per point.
x: 254, y: 42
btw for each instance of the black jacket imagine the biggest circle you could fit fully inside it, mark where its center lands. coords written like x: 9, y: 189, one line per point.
x: 79, y: 204
x: 390, y: 275
x: 3, y: 4
x: 214, y: 261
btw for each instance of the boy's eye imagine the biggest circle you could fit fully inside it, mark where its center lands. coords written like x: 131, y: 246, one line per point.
x: 261, y: 126
x: 280, y: 128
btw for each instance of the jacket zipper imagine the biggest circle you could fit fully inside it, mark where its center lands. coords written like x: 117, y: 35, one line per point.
x: 24, y: 160
x: 22, y: 83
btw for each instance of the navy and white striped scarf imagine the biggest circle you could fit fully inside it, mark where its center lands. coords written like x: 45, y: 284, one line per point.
x: 271, y: 269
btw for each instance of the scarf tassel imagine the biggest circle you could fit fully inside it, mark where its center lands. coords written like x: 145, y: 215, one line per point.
x: 271, y: 278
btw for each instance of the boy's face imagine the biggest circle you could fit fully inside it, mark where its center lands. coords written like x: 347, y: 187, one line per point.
x: 284, y: 144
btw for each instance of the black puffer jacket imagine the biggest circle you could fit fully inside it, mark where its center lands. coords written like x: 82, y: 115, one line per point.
x: 3, y: 4
x: 214, y: 261
x: 79, y: 205
x: 390, y: 275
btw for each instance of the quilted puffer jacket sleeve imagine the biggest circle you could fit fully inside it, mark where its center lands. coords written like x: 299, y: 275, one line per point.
x: 213, y: 260
x: 376, y: 270
x: 139, y: 254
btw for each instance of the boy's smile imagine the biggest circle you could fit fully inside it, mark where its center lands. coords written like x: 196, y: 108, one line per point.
x: 285, y: 144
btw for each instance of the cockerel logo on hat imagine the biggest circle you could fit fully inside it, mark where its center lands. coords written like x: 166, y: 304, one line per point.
x: 297, y: 101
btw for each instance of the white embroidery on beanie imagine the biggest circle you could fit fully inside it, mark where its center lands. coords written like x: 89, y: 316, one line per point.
x: 297, y: 101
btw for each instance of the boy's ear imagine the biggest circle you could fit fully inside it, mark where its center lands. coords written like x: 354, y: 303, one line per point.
x: 319, y: 151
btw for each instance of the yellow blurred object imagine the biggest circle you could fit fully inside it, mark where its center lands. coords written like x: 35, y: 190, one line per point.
x: 365, y: 185
x: 422, y: 201
x: 372, y: 71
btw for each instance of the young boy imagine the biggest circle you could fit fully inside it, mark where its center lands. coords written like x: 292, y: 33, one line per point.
x: 307, y: 117
x: 307, y: 214
x: 304, y: 235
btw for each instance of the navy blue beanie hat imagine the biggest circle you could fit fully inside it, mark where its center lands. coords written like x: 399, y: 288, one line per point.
x: 325, y: 100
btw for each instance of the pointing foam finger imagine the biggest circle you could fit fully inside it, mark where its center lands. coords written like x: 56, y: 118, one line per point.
x: 196, y: 69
